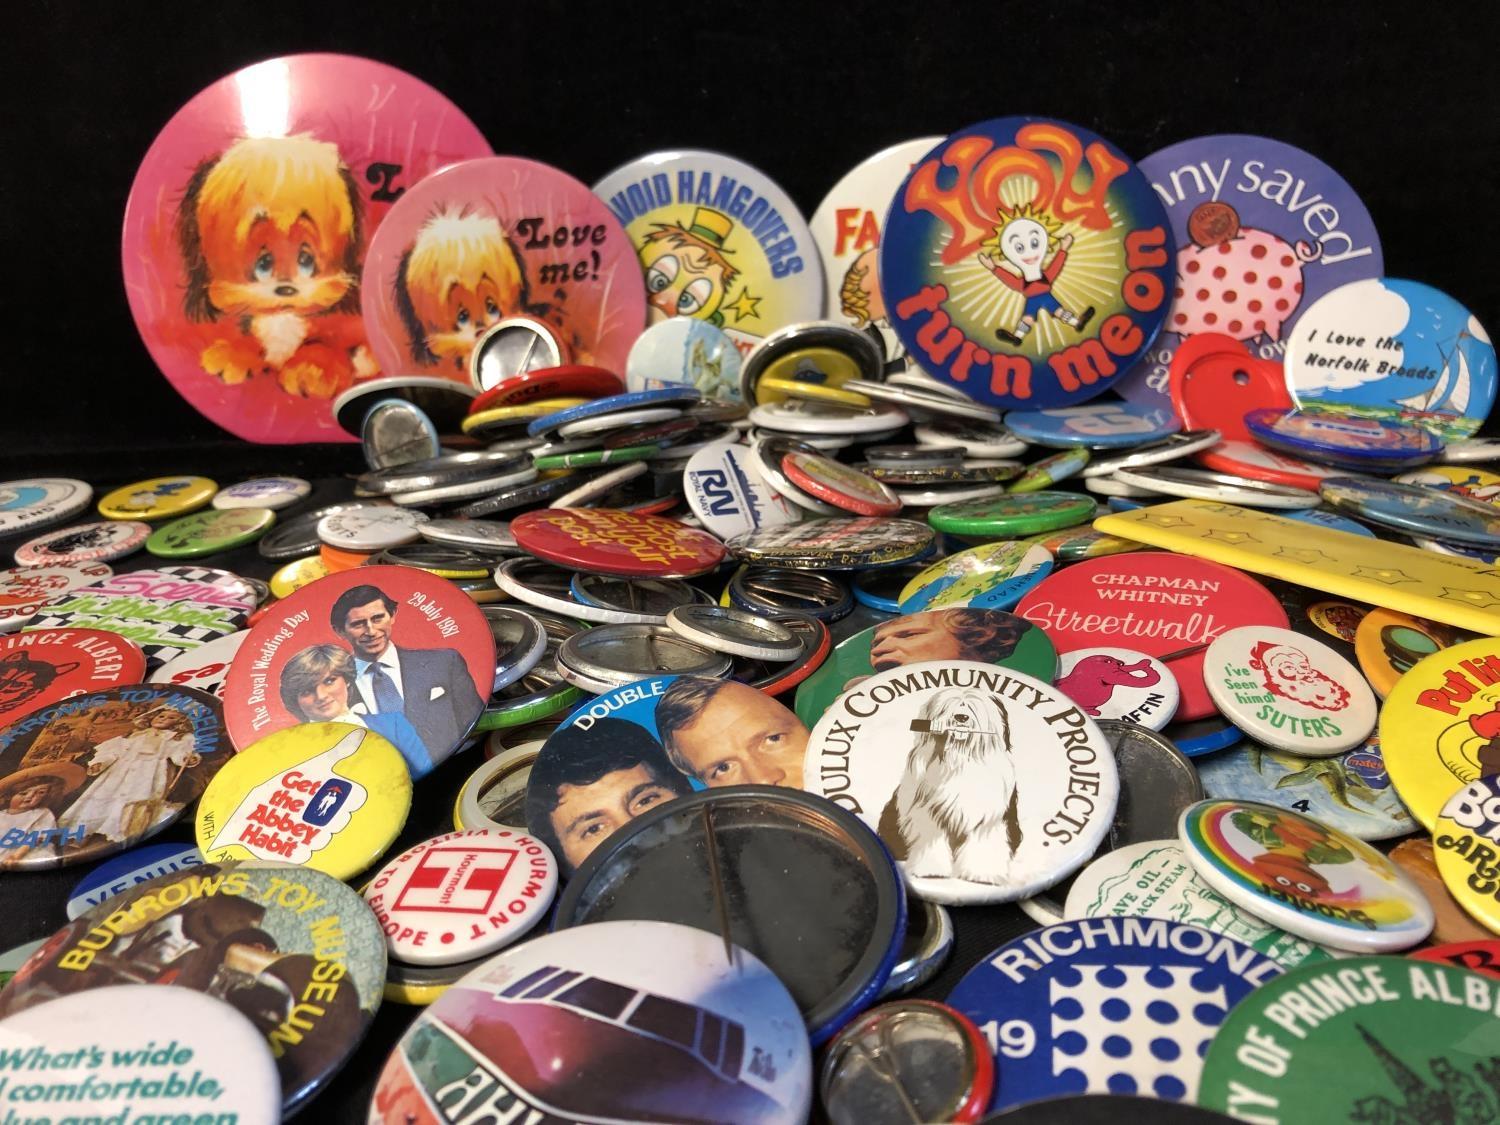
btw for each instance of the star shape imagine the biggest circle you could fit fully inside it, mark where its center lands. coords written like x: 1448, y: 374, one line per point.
x: 1389, y: 575
x: 1480, y: 598
x: 1230, y: 536
x: 744, y: 306
x: 1309, y: 555
x: 1165, y: 521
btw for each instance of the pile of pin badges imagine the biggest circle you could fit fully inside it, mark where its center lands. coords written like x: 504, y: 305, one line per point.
x: 684, y: 668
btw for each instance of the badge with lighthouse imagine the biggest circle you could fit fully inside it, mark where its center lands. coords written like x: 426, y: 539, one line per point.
x: 1263, y: 230
x: 1027, y: 262
x: 987, y: 784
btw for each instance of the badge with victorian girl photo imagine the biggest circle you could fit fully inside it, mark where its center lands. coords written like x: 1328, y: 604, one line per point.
x: 640, y: 745
x: 392, y: 649
x: 986, y: 784
x: 94, y: 774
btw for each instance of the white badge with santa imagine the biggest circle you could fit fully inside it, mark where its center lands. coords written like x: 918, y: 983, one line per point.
x: 986, y: 784
x: 1289, y: 691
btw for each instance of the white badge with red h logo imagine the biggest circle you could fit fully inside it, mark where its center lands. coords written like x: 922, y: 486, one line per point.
x: 462, y: 895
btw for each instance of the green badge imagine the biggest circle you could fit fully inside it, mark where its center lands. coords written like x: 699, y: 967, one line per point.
x: 989, y: 636
x: 1007, y: 517
x: 1377, y: 1039
x: 589, y: 457
x: 209, y: 531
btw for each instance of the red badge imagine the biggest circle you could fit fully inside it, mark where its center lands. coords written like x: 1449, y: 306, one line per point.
x: 392, y: 649
x: 1249, y: 459
x: 608, y: 541
x: 1476, y: 956
x: 1215, y: 382
x: 45, y: 667
x: 1167, y: 606
x: 25, y: 589
x: 569, y: 381
x: 841, y: 485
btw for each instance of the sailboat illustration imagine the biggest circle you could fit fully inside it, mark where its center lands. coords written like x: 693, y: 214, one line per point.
x: 1450, y: 394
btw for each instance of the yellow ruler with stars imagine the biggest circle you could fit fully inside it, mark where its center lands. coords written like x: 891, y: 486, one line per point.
x: 1456, y: 591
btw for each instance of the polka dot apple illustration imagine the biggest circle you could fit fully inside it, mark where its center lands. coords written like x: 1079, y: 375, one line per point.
x: 1237, y: 280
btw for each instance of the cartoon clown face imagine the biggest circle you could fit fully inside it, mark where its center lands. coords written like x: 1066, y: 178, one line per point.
x: 686, y: 267
x: 1023, y: 242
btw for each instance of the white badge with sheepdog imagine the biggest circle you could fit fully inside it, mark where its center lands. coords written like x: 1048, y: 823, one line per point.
x: 986, y: 784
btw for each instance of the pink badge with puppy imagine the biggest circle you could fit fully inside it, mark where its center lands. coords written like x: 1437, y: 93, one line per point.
x: 495, y: 238
x: 247, y: 227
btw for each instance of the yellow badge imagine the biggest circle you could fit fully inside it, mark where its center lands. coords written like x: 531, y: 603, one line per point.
x: 1388, y: 644
x: 519, y: 413
x: 329, y: 796
x: 158, y: 498
x: 297, y: 574
x: 1440, y: 725
x: 1466, y: 845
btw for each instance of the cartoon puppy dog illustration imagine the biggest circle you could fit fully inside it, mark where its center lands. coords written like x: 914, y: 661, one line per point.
x: 460, y: 276
x: 271, y: 233
x: 954, y: 814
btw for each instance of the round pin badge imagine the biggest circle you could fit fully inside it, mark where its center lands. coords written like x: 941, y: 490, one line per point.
x: 846, y: 229
x: 647, y: 742
x: 609, y: 541
x: 93, y: 774
x: 274, y: 493
x: 1050, y: 291
x: 1289, y: 691
x: 205, y: 667
x: 840, y: 544
x: 1320, y: 517
x: 885, y: 749
x: 393, y: 649
x: 1477, y: 956
x: 490, y: 238
x: 1204, y: 484
x: 275, y: 179
x: 1389, y: 644
x: 276, y: 942
x: 974, y: 438
x: 1414, y: 509
x: 1214, y: 381
x: 1302, y: 875
x: 1153, y: 879
x: 984, y: 636
x: 330, y: 796
x: 1348, y: 441
x: 904, y: 1061
x: 684, y: 350
x: 297, y: 574
x: 1099, y: 425
x: 46, y: 667
x: 1464, y: 837
x: 726, y: 491
x: 209, y: 532
x: 1167, y: 606
x: 1416, y: 857
x: 672, y: 863
x: 24, y: 590
x: 1253, y: 460
x: 127, y: 870
x: 1050, y: 470
x: 462, y: 895
x: 718, y: 241
x: 613, y: 999
x: 157, y: 498
x: 371, y: 528
x: 1369, y: 1038
x: 1397, y: 351
x: 1262, y: 229
x: 39, y: 501
x: 124, y: 1062
x: 87, y: 542
x: 1461, y: 480
x: 1119, y: 683
x: 1124, y: 1005
x: 841, y: 485
x: 991, y: 576
x: 1007, y: 517
x: 1350, y: 791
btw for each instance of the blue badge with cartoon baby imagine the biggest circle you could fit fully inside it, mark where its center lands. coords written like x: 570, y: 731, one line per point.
x: 1027, y: 262
x: 631, y: 749
x: 1107, y: 1006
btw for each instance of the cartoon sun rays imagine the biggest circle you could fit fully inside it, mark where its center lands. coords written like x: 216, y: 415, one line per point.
x: 1092, y: 277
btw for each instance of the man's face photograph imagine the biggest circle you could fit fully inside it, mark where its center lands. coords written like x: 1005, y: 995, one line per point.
x: 368, y: 629
x: 743, y: 737
x: 586, y: 814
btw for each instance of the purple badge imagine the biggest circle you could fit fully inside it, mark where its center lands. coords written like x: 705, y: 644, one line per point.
x: 1262, y: 230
